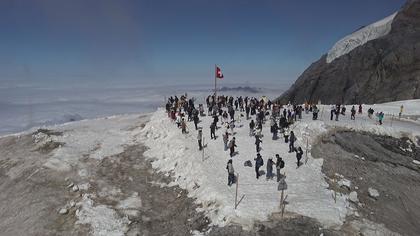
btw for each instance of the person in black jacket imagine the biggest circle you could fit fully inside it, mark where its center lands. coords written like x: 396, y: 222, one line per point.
x: 299, y: 154
x: 213, y: 131
x: 257, y: 143
x: 232, y: 145
x: 279, y: 166
x: 247, y: 109
x: 258, y: 163
x: 292, y: 140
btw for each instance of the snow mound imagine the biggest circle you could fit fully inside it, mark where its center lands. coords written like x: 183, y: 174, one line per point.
x: 103, y: 220
x: 360, y: 37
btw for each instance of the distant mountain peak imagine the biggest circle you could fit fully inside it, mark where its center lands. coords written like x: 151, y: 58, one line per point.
x: 378, y: 63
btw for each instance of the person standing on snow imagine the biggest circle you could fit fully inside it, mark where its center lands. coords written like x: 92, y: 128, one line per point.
x: 269, y: 174
x: 215, y: 120
x: 332, y: 112
x: 232, y: 125
x: 200, y: 138
x: 247, y: 109
x: 360, y: 108
x: 258, y: 163
x: 251, y: 128
x: 299, y: 154
x: 232, y: 146
x: 275, y: 131
x: 257, y: 143
x: 292, y: 142
x: 286, y: 135
x: 381, y: 117
x: 353, y: 113
x: 226, y: 139
x: 213, y: 131
x: 231, y: 172
x: 279, y: 166
x: 315, y: 112
x: 195, y: 118
x: 183, y: 126
x: 337, y: 112
x: 401, y: 111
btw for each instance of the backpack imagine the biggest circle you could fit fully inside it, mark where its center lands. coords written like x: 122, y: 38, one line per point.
x: 260, y: 162
x: 248, y: 163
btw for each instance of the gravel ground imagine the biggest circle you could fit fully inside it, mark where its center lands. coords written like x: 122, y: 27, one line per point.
x: 379, y: 162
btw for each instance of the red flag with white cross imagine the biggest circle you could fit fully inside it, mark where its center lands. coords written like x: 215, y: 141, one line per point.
x: 219, y: 73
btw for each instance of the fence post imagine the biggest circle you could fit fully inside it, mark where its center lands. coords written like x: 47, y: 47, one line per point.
x: 307, y: 145
x: 281, y: 199
x: 236, y: 192
x: 202, y: 153
x: 392, y: 119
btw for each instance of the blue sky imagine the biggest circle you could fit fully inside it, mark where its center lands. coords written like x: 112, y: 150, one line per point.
x: 172, y: 42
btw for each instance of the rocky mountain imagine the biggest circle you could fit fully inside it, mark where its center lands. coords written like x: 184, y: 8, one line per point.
x: 377, y: 63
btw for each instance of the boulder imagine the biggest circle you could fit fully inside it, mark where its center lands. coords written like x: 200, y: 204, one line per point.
x: 373, y: 193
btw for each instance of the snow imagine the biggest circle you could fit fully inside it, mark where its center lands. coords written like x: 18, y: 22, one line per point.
x: 103, y: 220
x: 344, y: 183
x: 131, y: 205
x: 353, y: 197
x: 97, y: 138
x: 360, y: 37
x: 308, y: 192
x: 373, y: 193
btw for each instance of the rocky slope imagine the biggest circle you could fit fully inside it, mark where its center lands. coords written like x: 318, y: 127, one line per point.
x: 375, y: 70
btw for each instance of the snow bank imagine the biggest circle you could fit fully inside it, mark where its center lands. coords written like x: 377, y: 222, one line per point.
x: 360, y: 37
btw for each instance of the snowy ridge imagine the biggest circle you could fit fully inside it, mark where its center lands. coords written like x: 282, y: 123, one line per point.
x: 360, y: 37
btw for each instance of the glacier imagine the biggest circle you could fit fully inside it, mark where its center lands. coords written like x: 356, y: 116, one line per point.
x: 360, y: 37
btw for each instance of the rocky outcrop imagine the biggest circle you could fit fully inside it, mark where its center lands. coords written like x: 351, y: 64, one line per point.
x: 381, y: 70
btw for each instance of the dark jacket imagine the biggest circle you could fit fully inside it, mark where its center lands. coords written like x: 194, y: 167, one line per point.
x: 259, y: 161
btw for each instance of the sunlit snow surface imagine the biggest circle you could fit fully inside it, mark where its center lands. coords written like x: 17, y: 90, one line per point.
x: 360, y: 37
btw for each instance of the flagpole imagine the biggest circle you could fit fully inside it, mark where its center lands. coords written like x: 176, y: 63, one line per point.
x: 215, y: 82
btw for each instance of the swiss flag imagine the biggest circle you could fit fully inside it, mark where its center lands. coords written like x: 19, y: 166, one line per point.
x: 219, y: 73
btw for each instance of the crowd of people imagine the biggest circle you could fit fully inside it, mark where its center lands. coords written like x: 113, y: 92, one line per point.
x: 258, y: 112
